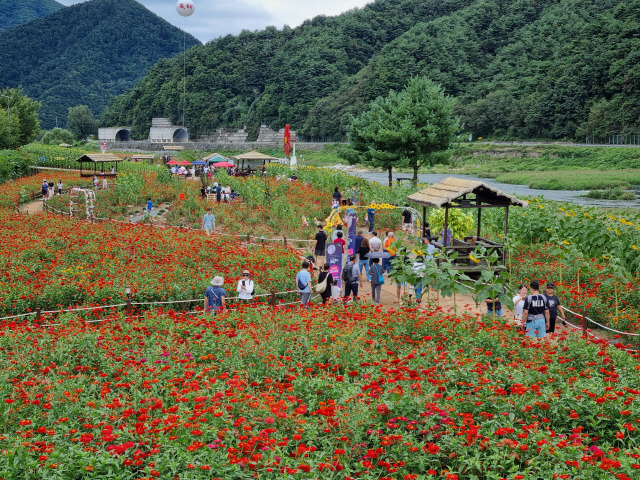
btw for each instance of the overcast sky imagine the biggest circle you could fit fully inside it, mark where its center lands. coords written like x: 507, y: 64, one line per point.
x: 215, y: 18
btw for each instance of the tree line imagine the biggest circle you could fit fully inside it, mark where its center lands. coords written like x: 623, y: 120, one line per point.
x: 543, y: 69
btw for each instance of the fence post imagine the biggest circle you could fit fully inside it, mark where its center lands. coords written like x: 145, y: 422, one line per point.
x: 38, y: 314
x: 129, y: 306
x: 248, y: 238
x: 584, y: 325
x: 285, y: 240
x: 272, y: 299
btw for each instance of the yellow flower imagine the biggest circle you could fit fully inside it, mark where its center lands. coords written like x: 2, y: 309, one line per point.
x: 605, y: 257
x: 566, y: 243
x: 634, y: 247
x: 471, y: 257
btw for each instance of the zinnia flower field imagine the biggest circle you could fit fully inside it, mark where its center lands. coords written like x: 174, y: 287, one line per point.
x: 325, y: 393
x: 333, y: 392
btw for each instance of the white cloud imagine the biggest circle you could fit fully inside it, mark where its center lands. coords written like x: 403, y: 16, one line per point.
x: 213, y: 19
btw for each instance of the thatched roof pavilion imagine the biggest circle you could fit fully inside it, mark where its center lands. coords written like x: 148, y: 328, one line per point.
x: 460, y: 193
x: 103, y: 159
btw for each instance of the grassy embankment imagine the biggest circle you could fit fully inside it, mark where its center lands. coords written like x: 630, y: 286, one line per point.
x: 607, y: 171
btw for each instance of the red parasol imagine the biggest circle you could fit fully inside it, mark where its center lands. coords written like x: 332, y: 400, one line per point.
x: 223, y: 164
x: 173, y: 162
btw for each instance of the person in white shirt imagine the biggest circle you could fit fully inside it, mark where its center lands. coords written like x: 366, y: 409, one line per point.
x: 375, y: 244
x: 245, y: 286
x: 518, y: 303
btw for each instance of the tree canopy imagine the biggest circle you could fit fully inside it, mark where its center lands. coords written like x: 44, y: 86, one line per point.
x: 81, y: 122
x: 19, y: 122
x: 17, y: 13
x: 404, y: 129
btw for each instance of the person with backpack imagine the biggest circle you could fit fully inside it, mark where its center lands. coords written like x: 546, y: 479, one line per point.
x: 303, y: 282
x: 536, y: 313
x: 376, y: 280
x: 351, y: 278
x: 214, y: 297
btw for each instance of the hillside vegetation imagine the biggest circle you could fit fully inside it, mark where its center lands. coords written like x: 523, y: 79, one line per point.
x: 85, y: 54
x: 17, y: 13
x: 519, y: 69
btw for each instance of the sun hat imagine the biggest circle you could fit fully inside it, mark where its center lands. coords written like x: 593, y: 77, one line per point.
x: 217, y: 281
x: 246, y: 272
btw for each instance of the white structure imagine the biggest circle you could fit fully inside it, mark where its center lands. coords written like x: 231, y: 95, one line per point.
x: 89, y: 201
x: 163, y: 131
x: 114, y: 134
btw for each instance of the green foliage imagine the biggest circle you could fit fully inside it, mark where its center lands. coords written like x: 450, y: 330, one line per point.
x: 460, y: 223
x: 521, y: 69
x: 57, y: 136
x: 404, y: 129
x: 164, y: 177
x: 85, y: 54
x: 17, y: 13
x: 19, y: 122
x: 129, y: 188
x: 81, y: 123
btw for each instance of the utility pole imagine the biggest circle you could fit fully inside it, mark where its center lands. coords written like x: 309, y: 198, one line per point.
x: 8, y: 112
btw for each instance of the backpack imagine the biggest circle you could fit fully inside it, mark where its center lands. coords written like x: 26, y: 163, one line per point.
x: 301, y: 286
x: 346, y: 273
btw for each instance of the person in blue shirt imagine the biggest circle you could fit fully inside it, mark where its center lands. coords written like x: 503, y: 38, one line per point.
x: 370, y: 218
x: 149, y: 206
x: 214, y: 297
x: 303, y: 283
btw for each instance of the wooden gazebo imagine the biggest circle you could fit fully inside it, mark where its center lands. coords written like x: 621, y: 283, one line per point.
x: 459, y: 193
x: 254, y: 155
x: 103, y: 160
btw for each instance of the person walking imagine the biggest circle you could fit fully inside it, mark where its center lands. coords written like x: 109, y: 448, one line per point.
x: 325, y: 278
x: 371, y: 218
x: 407, y: 221
x: 341, y: 241
x: 390, y: 249
x: 337, y: 196
x: 363, y: 261
x: 303, y: 282
x: 335, y: 233
x: 351, y: 278
x: 375, y: 244
x: 358, y: 241
x: 149, y: 206
x: 518, y: 305
x: 554, y: 307
x: 535, y: 312
x: 320, y: 246
x: 208, y: 222
x: 375, y: 272
x: 214, y: 296
x: 60, y: 187
x: 245, y: 286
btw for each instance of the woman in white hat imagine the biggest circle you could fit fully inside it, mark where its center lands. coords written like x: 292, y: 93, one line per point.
x: 245, y: 286
x: 214, y: 297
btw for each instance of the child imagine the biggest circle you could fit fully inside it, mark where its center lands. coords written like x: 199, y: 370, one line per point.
x: 335, y: 291
x: 149, y: 206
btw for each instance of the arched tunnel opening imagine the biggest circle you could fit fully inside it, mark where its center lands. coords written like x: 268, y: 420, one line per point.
x: 123, y: 135
x: 180, y: 135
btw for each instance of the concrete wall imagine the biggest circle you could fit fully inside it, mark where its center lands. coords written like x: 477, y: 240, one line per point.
x: 147, y: 146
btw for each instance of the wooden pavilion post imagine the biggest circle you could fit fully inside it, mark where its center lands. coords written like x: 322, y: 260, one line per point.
x: 424, y: 221
x: 446, y: 227
x: 506, y: 223
x: 479, y: 216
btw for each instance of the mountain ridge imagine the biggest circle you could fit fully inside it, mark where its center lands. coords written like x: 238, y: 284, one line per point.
x: 85, y: 54
x: 13, y: 14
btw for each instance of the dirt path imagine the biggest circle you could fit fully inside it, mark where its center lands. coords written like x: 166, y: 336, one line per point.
x: 33, y: 207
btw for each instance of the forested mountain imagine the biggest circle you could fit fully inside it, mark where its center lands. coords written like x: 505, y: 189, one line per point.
x: 13, y: 13
x: 519, y: 68
x: 85, y: 54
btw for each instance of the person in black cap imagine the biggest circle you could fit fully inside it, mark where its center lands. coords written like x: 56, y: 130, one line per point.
x: 554, y: 307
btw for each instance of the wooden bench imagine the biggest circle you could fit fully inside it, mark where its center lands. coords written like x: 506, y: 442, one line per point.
x: 211, y: 197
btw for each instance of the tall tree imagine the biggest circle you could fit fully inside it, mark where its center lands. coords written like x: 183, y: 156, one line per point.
x: 19, y: 122
x: 81, y: 123
x: 404, y: 129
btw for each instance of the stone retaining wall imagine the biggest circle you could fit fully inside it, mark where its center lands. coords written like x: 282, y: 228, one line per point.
x: 147, y: 146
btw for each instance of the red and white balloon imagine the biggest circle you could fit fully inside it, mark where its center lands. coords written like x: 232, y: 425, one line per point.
x: 185, y: 8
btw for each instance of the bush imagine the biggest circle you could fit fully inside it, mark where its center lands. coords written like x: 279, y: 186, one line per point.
x: 57, y: 136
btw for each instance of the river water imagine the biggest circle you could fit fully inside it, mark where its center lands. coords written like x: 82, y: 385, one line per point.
x: 574, y: 196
